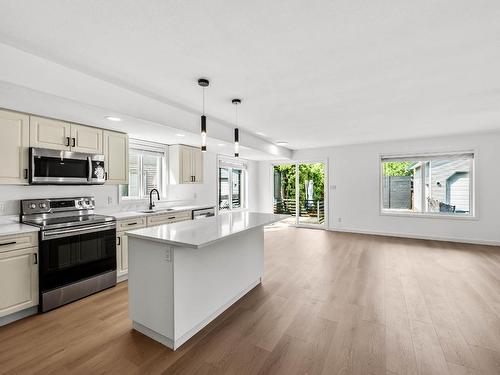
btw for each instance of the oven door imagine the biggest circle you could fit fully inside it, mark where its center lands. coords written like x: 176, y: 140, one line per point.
x: 71, y: 255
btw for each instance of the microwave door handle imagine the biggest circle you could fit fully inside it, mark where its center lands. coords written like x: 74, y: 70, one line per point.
x: 89, y: 161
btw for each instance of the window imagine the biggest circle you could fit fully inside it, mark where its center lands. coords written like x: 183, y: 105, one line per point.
x: 428, y: 184
x: 232, y: 184
x: 147, y: 169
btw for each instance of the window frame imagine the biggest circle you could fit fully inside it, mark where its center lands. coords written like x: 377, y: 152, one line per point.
x: 230, y: 164
x: 147, y: 147
x: 473, y: 211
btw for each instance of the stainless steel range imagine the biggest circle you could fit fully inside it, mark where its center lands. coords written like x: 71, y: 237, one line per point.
x: 77, y: 248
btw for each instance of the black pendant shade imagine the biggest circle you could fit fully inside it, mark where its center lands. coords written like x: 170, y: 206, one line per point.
x: 203, y: 82
x: 203, y: 133
x: 236, y: 143
x: 236, y: 130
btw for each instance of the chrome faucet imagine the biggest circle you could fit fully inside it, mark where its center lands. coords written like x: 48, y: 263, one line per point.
x: 151, y: 204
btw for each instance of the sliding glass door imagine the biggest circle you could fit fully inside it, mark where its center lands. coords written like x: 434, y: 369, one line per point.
x: 299, y: 191
x: 285, y: 201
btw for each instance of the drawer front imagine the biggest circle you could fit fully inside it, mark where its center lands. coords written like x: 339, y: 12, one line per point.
x: 18, y: 241
x: 129, y: 224
x: 169, y: 218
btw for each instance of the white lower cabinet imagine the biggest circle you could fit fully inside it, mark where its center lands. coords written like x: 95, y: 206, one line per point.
x: 121, y: 255
x: 137, y: 223
x: 18, y: 278
x: 168, y: 218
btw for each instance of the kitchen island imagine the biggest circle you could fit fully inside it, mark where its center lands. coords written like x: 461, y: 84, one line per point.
x: 183, y: 275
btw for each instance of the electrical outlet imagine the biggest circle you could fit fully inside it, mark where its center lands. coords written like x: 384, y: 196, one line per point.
x: 110, y: 199
x: 168, y: 256
x: 2, y: 207
x: 339, y: 219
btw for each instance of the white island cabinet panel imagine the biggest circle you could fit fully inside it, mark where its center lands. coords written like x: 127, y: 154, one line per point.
x: 183, y: 275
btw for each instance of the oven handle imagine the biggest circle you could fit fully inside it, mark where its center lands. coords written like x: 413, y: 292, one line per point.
x: 50, y: 234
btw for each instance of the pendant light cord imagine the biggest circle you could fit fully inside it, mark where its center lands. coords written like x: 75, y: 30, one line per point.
x: 203, y: 95
x: 236, y: 108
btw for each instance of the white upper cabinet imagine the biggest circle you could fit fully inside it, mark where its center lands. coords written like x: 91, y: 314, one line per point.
x: 197, y: 157
x: 116, y: 157
x: 185, y: 164
x: 14, y: 144
x: 60, y: 135
x: 49, y: 133
x: 86, y: 139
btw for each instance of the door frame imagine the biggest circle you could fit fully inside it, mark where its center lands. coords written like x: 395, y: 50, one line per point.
x: 326, y: 184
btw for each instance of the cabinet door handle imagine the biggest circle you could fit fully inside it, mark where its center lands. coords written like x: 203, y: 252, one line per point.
x: 74, y: 142
x: 35, y: 258
x: 8, y: 243
x: 171, y: 217
x: 118, y: 241
x: 105, y: 176
x: 26, y: 174
x: 67, y: 141
x: 132, y: 223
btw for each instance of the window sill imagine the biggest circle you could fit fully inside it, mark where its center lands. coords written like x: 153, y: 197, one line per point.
x: 421, y: 215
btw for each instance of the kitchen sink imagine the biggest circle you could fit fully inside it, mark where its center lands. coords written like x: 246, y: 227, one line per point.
x: 157, y: 211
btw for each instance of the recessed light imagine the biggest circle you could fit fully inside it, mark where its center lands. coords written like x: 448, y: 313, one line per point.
x: 180, y: 135
x: 113, y: 118
x: 221, y: 144
x: 282, y: 143
x: 260, y: 133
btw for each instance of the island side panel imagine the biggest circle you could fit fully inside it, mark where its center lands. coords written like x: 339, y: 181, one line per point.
x: 150, y: 289
x: 210, y: 279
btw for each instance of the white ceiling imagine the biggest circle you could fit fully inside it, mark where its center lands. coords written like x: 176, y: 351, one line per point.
x: 312, y: 73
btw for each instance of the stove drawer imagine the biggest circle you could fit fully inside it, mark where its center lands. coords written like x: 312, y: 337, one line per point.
x: 18, y: 241
x: 129, y: 224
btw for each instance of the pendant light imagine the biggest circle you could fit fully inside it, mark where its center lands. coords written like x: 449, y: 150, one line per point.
x: 236, y: 102
x: 203, y: 83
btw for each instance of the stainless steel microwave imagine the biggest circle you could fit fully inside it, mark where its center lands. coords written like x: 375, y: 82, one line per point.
x: 53, y: 167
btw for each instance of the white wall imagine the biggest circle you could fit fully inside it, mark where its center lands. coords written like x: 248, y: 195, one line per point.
x: 354, y: 171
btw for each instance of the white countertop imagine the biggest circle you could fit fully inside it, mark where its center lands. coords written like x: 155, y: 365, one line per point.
x: 121, y: 215
x: 203, y: 232
x: 16, y: 228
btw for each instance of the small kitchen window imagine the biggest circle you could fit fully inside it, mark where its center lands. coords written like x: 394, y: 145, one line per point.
x: 232, y: 175
x: 429, y: 185
x: 147, y: 169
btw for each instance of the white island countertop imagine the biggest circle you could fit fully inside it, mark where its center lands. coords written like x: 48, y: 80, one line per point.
x: 203, y: 232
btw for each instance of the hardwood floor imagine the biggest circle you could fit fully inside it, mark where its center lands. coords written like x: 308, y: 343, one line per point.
x: 330, y: 303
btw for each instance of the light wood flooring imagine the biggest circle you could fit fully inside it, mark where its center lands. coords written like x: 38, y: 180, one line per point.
x: 330, y: 303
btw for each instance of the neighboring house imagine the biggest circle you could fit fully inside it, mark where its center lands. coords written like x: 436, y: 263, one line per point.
x: 446, y: 184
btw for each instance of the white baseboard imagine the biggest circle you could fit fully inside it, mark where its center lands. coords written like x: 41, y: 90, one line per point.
x: 417, y: 236
x: 18, y: 315
x: 175, y: 344
x: 162, y: 339
x: 121, y: 278
x: 193, y: 331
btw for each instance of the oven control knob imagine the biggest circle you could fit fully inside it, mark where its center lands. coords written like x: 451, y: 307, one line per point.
x: 32, y: 206
x: 80, y: 203
x: 43, y: 205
